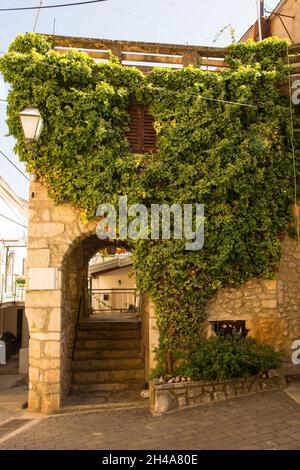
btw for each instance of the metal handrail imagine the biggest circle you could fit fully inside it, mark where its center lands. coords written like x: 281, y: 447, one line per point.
x: 76, y: 326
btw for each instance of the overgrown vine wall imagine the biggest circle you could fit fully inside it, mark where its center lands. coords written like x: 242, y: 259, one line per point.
x: 235, y: 159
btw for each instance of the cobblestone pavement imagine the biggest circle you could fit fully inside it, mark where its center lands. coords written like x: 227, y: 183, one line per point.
x: 268, y: 420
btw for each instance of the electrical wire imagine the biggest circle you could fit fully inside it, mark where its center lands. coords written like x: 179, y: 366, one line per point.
x: 10, y: 208
x: 15, y: 166
x: 13, y: 221
x: 52, y: 6
x: 203, y: 97
x: 227, y: 102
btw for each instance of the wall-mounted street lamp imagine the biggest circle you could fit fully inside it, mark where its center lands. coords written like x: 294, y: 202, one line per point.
x: 32, y: 124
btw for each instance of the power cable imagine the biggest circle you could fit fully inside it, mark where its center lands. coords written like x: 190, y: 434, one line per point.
x: 81, y: 72
x: 10, y: 208
x: 52, y: 6
x: 15, y: 166
x: 13, y: 221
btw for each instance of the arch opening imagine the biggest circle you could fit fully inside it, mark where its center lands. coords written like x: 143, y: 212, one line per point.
x: 104, y: 322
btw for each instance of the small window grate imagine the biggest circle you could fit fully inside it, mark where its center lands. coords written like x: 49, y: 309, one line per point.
x: 230, y: 327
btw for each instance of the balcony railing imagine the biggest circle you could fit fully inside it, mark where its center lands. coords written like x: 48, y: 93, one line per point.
x: 10, y: 291
x: 146, y: 55
x: 113, y: 300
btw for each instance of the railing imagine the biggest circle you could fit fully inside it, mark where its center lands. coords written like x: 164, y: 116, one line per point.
x: 113, y: 300
x: 10, y: 291
x: 146, y: 55
x: 76, y: 325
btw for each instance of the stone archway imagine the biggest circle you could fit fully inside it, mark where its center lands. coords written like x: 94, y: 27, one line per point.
x: 59, y: 247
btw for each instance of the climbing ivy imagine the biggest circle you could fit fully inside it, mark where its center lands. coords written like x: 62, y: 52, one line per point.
x: 235, y: 158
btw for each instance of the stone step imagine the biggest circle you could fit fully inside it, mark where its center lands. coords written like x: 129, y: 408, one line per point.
x: 107, y: 325
x: 107, y: 364
x: 92, y: 377
x: 87, y: 354
x: 95, y: 388
x: 107, y: 344
x: 108, y: 334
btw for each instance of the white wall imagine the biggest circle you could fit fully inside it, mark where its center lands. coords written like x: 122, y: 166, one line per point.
x: 110, y: 280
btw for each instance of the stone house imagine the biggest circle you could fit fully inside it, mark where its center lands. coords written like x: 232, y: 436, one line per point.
x: 13, y: 247
x: 283, y: 22
x: 68, y: 352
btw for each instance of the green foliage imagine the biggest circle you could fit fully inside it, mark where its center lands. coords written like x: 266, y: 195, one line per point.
x: 20, y: 281
x: 235, y: 159
x: 225, y: 357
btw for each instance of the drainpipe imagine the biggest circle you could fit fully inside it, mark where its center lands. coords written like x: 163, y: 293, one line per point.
x: 260, y: 14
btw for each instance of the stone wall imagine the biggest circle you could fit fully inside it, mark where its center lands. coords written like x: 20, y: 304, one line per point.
x: 271, y: 309
x: 149, y: 334
x: 59, y: 240
x: 170, y: 397
x: 54, y: 238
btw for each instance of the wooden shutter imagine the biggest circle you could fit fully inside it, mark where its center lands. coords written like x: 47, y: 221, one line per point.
x: 141, y: 135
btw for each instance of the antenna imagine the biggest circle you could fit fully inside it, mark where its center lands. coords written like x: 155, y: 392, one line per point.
x: 53, y: 29
x: 37, y: 16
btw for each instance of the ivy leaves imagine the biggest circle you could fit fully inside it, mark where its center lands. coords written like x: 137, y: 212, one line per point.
x: 232, y: 157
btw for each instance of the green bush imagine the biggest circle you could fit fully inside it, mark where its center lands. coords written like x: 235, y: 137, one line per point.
x: 225, y: 357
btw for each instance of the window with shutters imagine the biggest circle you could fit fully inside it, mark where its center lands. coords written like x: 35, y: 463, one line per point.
x: 141, y: 135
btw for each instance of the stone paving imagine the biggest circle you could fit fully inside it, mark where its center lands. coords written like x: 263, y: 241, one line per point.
x: 267, y: 420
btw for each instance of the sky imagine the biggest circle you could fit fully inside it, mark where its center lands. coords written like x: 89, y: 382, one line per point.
x: 167, y: 21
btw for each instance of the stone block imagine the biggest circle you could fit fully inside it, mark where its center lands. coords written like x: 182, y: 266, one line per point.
x: 45, y: 364
x: 230, y: 390
x: 164, y: 402
x: 46, y: 229
x: 34, y: 374
x: 52, y: 376
x: 206, y: 397
x: 194, y: 392
x: 270, y: 285
x: 269, y: 303
x: 46, y: 336
x: 36, y: 318
x: 50, y: 403
x: 218, y: 396
x: 38, y: 258
x: 54, y: 320
x: 182, y: 401
x: 45, y: 215
x: 34, y: 349
x: 64, y: 213
x: 52, y: 349
x: 34, y: 401
x: 35, y: 243
x: 180, y: 391
x: 47, y: 388
x: 43, y: 299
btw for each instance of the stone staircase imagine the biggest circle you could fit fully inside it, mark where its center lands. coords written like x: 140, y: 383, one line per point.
x: 108, y: 357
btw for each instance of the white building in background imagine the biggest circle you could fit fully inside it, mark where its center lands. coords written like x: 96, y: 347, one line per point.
x: 13, y: 248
